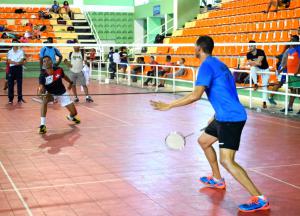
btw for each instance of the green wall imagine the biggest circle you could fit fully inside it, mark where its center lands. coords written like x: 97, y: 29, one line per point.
x: 109, y: 2
x: 187, y: 12
x: 114, y: 26
x: 48, y: 2
x: 143, y: 11
x: 153, y: 28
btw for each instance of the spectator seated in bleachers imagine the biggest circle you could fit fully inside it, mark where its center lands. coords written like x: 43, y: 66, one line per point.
x: 278, y: 3
x: 8, y: 35
x: 137, y: 68
x: 152, y: 70
x: 2, y: 28
x: 55, y: 7
x: 67, y: 9
x: 180, y: 72
x: 44, y: 14
x: 165, y: 70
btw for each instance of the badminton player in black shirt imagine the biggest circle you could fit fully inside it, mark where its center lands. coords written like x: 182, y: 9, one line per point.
x: 51, y: 87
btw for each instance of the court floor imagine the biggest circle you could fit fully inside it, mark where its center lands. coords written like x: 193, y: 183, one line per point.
x: 115, y: 162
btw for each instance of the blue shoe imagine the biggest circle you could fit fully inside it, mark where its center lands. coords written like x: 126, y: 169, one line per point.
x: 211, y: 182
x: 272, y: 101
x: 255, y: 204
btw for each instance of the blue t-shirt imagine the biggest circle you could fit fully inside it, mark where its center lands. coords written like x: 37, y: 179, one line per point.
x: 221, y: 90
x: 51, y: 52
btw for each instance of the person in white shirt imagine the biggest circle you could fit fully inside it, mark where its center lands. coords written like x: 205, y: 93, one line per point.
x: 16, y: 60
x: 75, y: 65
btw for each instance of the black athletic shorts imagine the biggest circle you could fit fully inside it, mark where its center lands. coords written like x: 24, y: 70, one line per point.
x: 228, y: 133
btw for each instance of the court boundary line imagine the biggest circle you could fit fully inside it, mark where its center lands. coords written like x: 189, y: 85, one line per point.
x: 108, y: 116
x: 66, y: 185
x: 15, y: 189
x: 59, y: 129
x: 274, y: 166
x: 276, y: 179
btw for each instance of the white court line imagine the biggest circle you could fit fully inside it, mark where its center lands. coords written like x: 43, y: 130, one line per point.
x: 275, y: 166
x: 59, y: 129
x: 276, y: 179
x: 108, y: 116
x: 66, y: 185
x: 15, y: 189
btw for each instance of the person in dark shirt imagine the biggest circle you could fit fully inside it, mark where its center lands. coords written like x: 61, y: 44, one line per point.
x: 112, y: 65
x: 257, y: 61
x: 278, y: 3
x: 51, y: 87
x: 124, y: 59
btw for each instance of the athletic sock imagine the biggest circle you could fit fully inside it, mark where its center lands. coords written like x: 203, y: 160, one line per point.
x: 43, y: 120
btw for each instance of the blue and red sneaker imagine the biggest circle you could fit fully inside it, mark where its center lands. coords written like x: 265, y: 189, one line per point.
x: 212, y: 182
x: 255, y: 204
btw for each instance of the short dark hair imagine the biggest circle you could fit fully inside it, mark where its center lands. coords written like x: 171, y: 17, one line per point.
x: 252, y: 41
x: 15, y: 40
x: 111, y: 48
x: 295, y: 38
x: 168, y: 57
x: 46, y: 56
x: 206, y: 43
x: 50, y: 39
x: 116, y: 50
x: 183, y: 59
x: 152, y: 57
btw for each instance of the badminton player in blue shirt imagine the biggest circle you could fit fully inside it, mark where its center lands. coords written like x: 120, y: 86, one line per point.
x: 215, y: 79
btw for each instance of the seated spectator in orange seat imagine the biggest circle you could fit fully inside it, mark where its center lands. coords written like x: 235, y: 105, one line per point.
x: 165, y: 70
x: 138, y: 68
x: 24, y: 40
x: 180, y: 72
x: 2, y: 28
x: 152, y: 71
x: 36, y: 32
x: 278, y: 3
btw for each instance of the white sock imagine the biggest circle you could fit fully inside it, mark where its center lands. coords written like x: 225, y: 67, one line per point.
x: 43, y: 120
x: 261, y: 197
x: 217, y: 180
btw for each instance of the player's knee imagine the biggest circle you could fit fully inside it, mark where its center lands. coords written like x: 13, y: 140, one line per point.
x: 226, y: 162
x: 203, y: 142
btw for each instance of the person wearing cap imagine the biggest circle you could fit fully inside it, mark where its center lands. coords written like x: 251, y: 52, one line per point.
x: 52, y: 52
x: 16, y: 59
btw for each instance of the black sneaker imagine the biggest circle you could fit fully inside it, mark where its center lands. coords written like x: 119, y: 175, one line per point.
x: 298, y: 113
x: 76, y: 100
x: 43, y: 129
x: 89, y: 99
x: 73, y: 119
x: 289, y: 110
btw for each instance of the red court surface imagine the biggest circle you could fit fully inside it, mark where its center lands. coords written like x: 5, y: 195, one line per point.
x: 115, y: 162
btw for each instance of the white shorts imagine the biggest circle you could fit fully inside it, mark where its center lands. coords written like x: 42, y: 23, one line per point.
x: 63, y: 99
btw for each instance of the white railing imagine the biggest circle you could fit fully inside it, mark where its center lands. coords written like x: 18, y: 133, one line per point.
x: 143, y: 77
x: 128, y: 75
x: 95, y: 33
x: 285, y: 93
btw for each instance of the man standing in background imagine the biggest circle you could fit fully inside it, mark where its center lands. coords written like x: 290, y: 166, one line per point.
x: 16, y: 60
